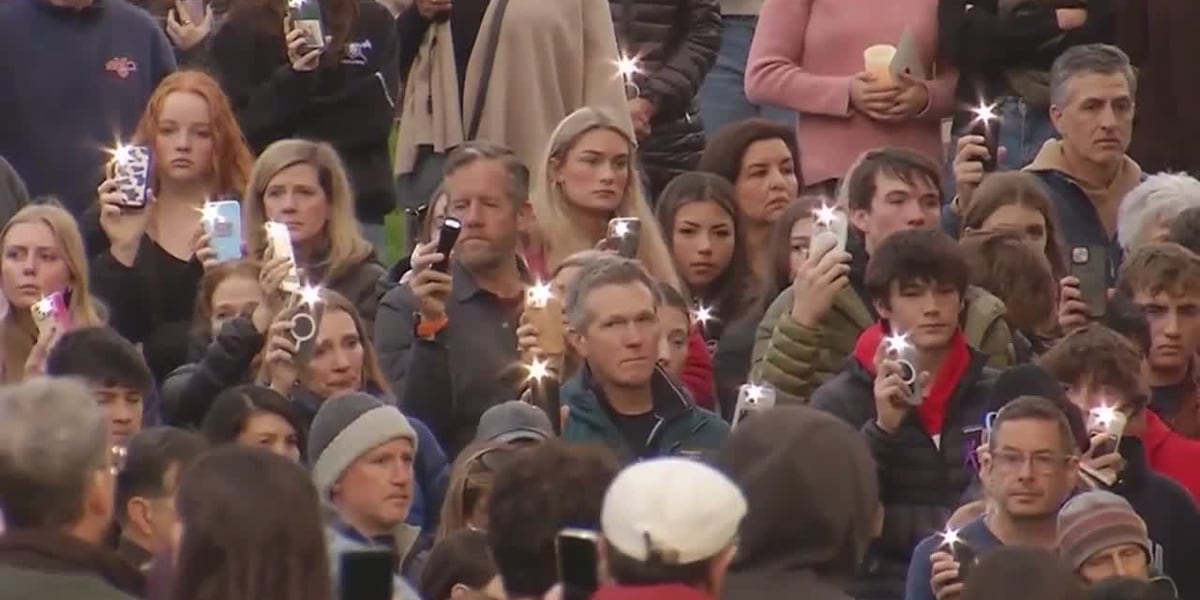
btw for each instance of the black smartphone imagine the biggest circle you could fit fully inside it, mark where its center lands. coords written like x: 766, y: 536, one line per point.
x: 1089, y: 264
x: 987, y: 124
x: 447, y: 237
x: 578, y: 563
x: 966, y: 558
x: 366, y: 575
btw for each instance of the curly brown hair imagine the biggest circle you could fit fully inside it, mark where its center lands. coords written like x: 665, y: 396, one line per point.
x: 1102, y: 357
x: 1002, y: 263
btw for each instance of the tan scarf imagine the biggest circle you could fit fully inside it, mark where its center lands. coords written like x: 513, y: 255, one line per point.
x: 432, y: 114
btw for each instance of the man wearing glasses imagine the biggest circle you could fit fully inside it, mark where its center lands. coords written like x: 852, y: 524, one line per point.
x: 1028, y: 468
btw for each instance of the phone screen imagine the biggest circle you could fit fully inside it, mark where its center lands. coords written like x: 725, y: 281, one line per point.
x: 578, y: 563
x: 366, y: 575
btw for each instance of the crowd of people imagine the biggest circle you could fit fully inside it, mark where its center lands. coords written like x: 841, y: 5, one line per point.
x: 696, y: 299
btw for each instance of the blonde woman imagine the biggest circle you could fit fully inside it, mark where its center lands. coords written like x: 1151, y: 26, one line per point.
x: 588, y: 176
x: 43, y: 253
x: 303, y: 185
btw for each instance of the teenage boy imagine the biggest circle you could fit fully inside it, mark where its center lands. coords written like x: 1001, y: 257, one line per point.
x: 811, y: 328
x: 1028, y: 469
x: 1163, y: 280
x: 146, y: 487
x: 1101, y: 371
x: 917, y: 391
x: 114, y: 370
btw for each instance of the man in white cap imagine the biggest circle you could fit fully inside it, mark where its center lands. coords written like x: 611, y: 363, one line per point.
x: 670, y: 528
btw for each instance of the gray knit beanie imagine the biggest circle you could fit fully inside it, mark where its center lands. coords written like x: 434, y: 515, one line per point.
x: 347, y: 427
x: 1095, y: 521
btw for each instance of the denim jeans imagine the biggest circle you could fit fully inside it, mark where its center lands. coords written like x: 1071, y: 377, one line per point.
x: 1023, y: 131
x: 723, y: 94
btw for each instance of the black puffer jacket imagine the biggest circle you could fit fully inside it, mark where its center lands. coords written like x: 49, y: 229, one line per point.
x: 920, y: 483
x: 675, y: 43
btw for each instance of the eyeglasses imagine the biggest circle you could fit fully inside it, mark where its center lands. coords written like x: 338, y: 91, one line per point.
x: 1041, y: 463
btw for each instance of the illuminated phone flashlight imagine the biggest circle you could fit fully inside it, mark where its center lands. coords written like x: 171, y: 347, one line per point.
x: 826, y: 215
x: 297, y: 4
x: 209, y: 214
x: 621, y: 228
x: 950, y: 538
x: 985, y: 113
x: 703, y: 315
x: 45, y: 306
x: 310, y: 295
x: 901, y: 349
x: 122, y: 153
x: 539, y: 295
x: 754, y: 392
x: 627, y: 67
x: 1110, y: 419
x: 538, y: 369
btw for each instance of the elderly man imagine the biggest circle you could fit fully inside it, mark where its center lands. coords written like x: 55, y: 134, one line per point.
x: 56, y: 492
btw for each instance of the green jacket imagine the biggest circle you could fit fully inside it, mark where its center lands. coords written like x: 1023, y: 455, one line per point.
x: 795, y: 359
x: 683, y: 428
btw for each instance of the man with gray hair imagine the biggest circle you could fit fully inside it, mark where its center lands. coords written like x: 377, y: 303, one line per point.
x: 1147, y: 212
x: 620, y: 397
x: 465, y: 315
x: 56, y: 492
x: 1092, y: 89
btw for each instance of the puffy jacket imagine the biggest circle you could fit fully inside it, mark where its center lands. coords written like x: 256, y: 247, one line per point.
x: 675, y: 43
x: 920, y: 483
x: 683, y: 427
x: 189, y: 391
x: 796, y: 359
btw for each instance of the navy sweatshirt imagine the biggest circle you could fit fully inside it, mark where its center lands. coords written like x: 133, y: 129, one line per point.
x: 73, y: 82
x: 350, y: 104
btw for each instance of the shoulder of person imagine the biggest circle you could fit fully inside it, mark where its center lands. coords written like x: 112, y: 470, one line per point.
x: 852, y: 386
x: 399, y: 298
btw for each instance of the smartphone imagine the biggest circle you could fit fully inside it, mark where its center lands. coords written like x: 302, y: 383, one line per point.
x: 752, y: 399
x: 447, y: 237
x: 987, y: 124
x: 1089, y: 264
x: 51, y: 310
x: 964, y: 555
x: 306, y: 16
x: 133, y: 170
x: 829, y: 221
x: 905, y: 353
x: 545, y: 312
x: 224, y: 226
x: 624, y: 236
x: 279, y: 240
x: 366, y: 575
x: 1110, y: 422
x: 306, y: 324
x: 578, y: 563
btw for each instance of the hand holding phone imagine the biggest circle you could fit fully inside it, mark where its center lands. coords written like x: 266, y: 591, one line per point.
x: 624, y: 236
x: 305, y: 16
x: 222, y: 221
x: 544, y: 312
x: 279, y: 245
x: 51, y: 312
x: 133, y: 170
x: 986, y: 124
x: 1089, y: 264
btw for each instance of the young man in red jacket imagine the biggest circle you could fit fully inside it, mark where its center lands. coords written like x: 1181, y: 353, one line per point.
x: 670, y: 527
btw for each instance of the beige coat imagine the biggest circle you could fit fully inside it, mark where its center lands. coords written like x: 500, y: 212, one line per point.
x: 552, y: 59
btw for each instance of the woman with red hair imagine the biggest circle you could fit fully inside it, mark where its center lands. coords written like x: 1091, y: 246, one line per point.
x: 146, y: 263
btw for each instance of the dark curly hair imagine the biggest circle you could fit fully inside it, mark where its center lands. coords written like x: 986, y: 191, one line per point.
x: 1104, y: 357
x: 543, y: 490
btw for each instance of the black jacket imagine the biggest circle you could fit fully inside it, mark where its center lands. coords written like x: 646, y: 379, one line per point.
x: 675, y: 43
x: 189, y: 391
x: 350, y: 105
x: 920, y: 484
x: 1170, y: 514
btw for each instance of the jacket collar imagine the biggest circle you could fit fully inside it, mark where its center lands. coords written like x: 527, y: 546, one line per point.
x: 400, y: 541
x: 669, y: 400
x: 57, y: 552
x: 465, y: 286
x: 94, y: 9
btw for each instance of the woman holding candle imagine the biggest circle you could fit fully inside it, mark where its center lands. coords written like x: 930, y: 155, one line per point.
x: 341, y: 91
x: 759, y: 158
x: 697, y: 212
x: 147, y: 263
x: 808, y: 55
x: 303, y: 185
x: 43, y: 255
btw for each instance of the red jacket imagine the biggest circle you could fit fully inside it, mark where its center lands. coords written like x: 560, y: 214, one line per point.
x: 670, y: 591
x: 698, y: 372
x: 1171, y: 454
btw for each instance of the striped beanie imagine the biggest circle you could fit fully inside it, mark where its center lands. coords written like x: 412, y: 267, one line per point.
x: 1095, y: 521
x: 347, y: 427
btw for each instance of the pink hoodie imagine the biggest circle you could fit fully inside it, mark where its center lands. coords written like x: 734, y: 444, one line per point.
x: 805, y: 53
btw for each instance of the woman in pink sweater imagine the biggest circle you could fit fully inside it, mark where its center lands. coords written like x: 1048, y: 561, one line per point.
x: 807, y: 55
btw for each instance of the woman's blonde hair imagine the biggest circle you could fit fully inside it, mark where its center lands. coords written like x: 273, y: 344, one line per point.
x: 471, y: 479
x: 345, y: 247
x: 560, y: 232
x: 20, y: 333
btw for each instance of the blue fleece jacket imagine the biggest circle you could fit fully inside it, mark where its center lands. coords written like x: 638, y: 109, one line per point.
x: 74, y: 81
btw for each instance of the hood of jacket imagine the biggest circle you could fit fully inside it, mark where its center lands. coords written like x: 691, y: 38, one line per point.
x: 814, y: 468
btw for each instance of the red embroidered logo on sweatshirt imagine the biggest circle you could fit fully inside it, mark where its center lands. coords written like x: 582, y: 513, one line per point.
x: 120, y: 65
